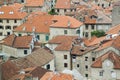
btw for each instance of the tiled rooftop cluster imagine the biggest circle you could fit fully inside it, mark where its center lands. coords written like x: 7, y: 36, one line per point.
x: 37, y: 45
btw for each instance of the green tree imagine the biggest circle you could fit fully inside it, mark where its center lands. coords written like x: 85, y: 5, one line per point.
x: 98, y: 33
x: 52, y: 12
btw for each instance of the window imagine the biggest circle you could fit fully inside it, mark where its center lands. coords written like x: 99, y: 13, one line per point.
x: 101, y: 73
x: 86, y: 75
x: 102, y: 5
x: 7, y: 21
x: 78, y: 32
x: 86, y: 34
x: 65, y: 56
x: 86, y: 26
x: 47, y: 37
x: 57, y: 10
x: 65, y: 31
x: 64, y: 10
x: 1, y: 21
x: 74, y: 57
x: 14, y: 27
x: 1, y: 27
x: 92, y: 26
x: 48, y: 66
x: 86, y: 67
x: 25, y: 51
x: 15, y: 21
x: 86, y: 58
x: 8, y: 33
x: 8, y: 27
x: 78, y: 65
x: 22, y: 1
x: 38, y: 37
x: 19, y: 35
x: 65, y: 65
x: 93, y: 59
x: 71, y: 10
x: 0, y: 33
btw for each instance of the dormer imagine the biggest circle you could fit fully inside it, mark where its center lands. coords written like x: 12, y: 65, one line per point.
x: 11, y: 12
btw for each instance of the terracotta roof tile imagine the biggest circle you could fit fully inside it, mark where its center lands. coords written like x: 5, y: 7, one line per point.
x: 39, y: 57
x: 114, y: 30
x: 38, y: 21
x: 64, y: 42
x: 18, y: 41
x: 112, y: 56
x: 12, y: 12
x: 63, y: 4
x: 65, y: 21
x: 56, y: 76
x: 32, y: 3
x: 8, y: 70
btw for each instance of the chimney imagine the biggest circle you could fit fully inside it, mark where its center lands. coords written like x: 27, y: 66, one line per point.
x: 69, y: 23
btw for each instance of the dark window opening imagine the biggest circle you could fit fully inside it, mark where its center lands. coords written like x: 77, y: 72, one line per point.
x: 65, y: 65
x: 25, y: 51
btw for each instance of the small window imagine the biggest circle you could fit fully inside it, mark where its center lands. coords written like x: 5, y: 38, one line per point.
x: 1, y: 27
x: 101, y: 73
x: 86, y: 58
x: 86, y: 67
x: 7, y: 21
x: 93, y: 59
x: 86, y: 34
x: 15, y: 21
x: 74, y: 57
x: 57, y: 10
x: 14, y: 27
x: 93, y: 27
x: 0, y: 33
x: 65, y: 65
x: 38, y: 37
x: 47, y: 37
x: 86, y: 75
x: 8, y: 27
x: 65, y: 31
x: 48, y: 66
x: 78, y: 32
x: 25, y: 51
x: 8, y: 33
x: 71, y: 10
x: 19, y: 34
x: 64, y: 10
x: 86, y: 26
x: 1, y: 20
x: 78, y: 65
x: 65, y: 56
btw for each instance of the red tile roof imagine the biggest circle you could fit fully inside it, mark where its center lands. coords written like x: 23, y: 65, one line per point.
x: 114, y: 30
x: 9, y: 69
x: 65, y: 4
x: 18, y: 41
x: 112, y: 56
x: 56, y: 76
x: 65, y: 22
x: 38, y: 21
x: 64, y: 42
x: 12, y: 12
x: 33, y: 3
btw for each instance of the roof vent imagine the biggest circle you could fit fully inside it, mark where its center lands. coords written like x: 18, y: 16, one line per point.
x: 11, y: 12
